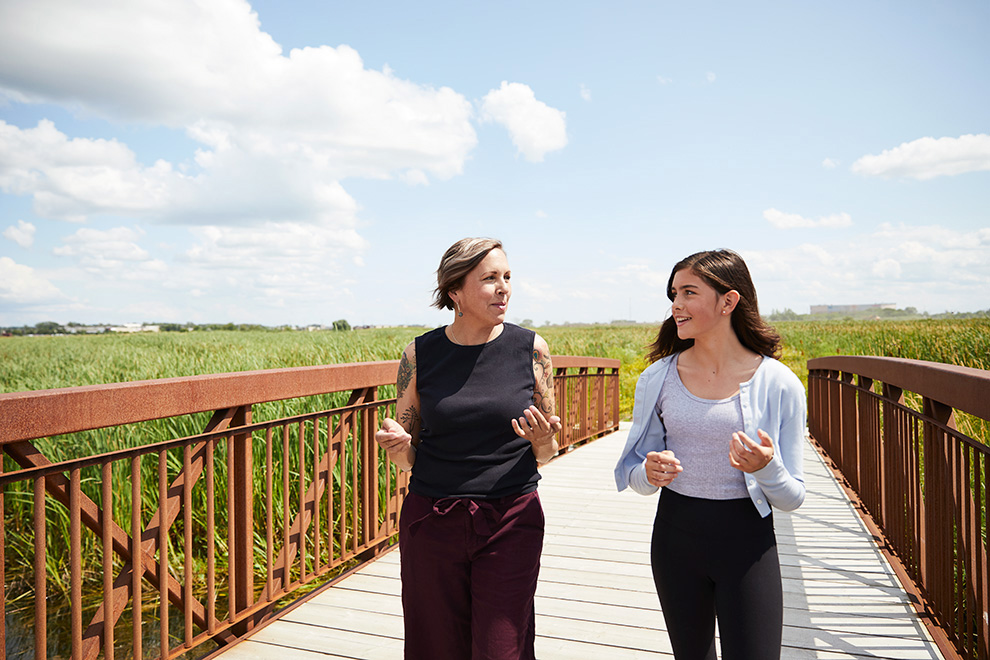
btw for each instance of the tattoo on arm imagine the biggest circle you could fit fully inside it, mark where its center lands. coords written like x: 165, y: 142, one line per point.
x: 410, y: 420
x: 407, y: 368
x: 543, y: 396
x: 407, y: 411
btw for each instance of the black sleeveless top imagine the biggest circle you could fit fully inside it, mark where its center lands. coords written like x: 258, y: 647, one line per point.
x: 468, y: 397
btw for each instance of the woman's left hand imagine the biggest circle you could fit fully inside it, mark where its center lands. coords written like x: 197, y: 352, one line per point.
x: 747, y: 455
x: 539, y: 430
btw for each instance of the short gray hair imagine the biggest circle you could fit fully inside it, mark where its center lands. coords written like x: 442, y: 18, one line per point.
x: 459, y: 260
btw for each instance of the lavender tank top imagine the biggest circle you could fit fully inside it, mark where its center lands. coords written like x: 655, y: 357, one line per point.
x: 699, y: 432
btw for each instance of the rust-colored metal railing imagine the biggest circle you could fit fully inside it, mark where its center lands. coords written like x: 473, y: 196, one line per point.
x: 889, y: 425
x: 587, y: 394
x: 182, y: 545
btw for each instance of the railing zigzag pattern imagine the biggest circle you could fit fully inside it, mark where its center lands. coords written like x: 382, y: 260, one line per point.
x: 231, y: 522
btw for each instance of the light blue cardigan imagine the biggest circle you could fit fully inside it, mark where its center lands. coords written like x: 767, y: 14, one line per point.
x: 772, y: 400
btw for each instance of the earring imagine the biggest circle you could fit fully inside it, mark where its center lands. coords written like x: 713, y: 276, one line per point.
x: 458, y: 308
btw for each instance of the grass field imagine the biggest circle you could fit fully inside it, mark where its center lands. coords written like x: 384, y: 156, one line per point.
x: 35, y: 363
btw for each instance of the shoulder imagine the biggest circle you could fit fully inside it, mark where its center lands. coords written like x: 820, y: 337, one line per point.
x: 658, y: 367
x: 516, y: 337
x: 651, y: 379
x: 780, y: 375
x: 540, y: 345
x: 431, y: 334
x: 434, y: 336
x: 409, y: 352
x: 517, y: 330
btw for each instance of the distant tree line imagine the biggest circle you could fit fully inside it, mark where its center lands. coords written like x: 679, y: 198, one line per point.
x: 45, y: 328
x: 53, y: 328
x: 906, y: 314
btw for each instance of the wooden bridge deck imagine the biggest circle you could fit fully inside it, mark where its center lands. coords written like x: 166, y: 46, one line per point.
x: 596, y: 598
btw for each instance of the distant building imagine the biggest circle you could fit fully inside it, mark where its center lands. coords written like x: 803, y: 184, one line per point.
x: 135, y: 327
x: 850, y: 309
x: 87, y: 329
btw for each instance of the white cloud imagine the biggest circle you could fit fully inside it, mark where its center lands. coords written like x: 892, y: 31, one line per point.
x: 818, y: 253
x: 293, y: 244
x: 645, y: 274
x: 933, y: 268
x: 664, y: 81
x: 830, y: 164
x: 107, y: 251
x: 22, y: 234
x: 535, y: 127
x: 537, y: 293
x: 20, y: 284
x: 710, y: 77
x: 208, y: 68
x: 782, y: 220
x: 71, y: 178
x: 887, y: 269
x: 276, y: 126
x: 274, y: 261
x: 415, y: 177
x: 927, y: 158
x: 585, y: 93
x: 541, y: 214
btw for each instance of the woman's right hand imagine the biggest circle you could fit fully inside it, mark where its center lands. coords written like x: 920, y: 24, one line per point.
x: 662, y: 467
x: 392, y: 437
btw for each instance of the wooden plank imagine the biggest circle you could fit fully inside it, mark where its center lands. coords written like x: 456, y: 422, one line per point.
x: 382, y: 645
x: 596, y: 597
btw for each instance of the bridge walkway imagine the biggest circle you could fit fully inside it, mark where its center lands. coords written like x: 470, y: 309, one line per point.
x: 596, y: 599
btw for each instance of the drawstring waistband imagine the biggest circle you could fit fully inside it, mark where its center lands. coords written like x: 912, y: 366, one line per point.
x: 484, y: 516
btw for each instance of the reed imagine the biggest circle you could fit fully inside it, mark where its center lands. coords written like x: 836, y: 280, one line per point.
x: 34, y: 363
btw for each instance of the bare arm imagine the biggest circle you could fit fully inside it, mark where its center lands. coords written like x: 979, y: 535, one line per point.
x: 543, y: 394
x: 399, y: 438
x: 539, y: 424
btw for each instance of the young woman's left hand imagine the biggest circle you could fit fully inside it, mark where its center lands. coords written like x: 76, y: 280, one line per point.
x: 747, y: 455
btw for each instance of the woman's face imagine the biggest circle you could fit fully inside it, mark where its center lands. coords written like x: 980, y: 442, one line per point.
x: 484, y: 294
x: 697, y: 307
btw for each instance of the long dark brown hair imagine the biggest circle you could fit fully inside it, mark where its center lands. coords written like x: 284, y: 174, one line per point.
x: 724, y: 271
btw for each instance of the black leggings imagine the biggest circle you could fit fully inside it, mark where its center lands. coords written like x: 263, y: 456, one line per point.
x: 717, y: 557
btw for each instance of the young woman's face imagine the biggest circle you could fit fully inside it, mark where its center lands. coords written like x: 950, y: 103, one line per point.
x: 484, y: 295
x: 697, y: 307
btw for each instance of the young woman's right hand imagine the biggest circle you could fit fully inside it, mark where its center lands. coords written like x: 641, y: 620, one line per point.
x: 662, y: 467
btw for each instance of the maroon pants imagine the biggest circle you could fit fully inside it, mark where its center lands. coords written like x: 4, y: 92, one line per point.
x: 469, y: 572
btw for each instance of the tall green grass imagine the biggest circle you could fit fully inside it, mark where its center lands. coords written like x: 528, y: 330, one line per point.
x: 961, y: 342
x: 35, y: 363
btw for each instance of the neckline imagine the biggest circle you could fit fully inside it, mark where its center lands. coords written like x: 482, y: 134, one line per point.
x: 742, y: 385
x: 490, y: 341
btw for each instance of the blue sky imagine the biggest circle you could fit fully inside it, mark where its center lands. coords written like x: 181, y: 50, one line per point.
x: 301, y: 162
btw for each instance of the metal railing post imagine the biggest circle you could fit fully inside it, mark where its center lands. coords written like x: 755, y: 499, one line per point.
x: 242, y: 483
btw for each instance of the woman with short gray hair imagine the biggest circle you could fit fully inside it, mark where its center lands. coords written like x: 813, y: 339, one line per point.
x: 475, y: 416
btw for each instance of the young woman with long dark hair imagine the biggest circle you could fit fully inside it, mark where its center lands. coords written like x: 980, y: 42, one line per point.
x: 719, y: 427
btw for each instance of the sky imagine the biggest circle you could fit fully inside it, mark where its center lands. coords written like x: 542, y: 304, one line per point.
x: 295, y: 162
